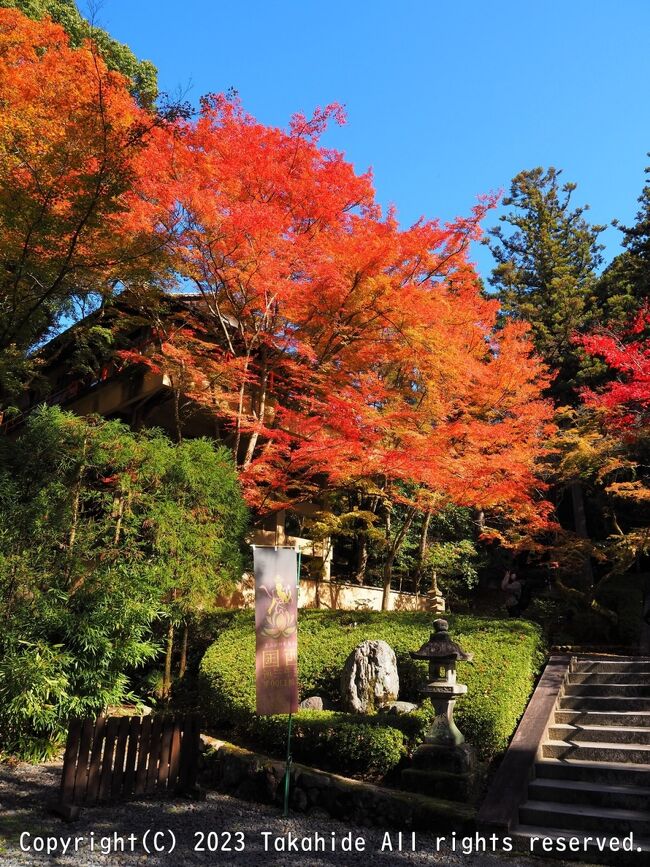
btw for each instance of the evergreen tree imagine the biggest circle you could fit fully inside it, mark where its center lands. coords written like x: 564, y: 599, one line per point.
x: 637, y: 242
x: 546, y: 271
x: 625, y: 285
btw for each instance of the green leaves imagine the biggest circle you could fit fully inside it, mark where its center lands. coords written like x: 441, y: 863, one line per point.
x: 105, y: 533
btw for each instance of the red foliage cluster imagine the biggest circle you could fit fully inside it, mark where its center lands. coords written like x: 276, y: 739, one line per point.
x: 627, y: 399
x: 75, y: 210
x: 336, y: 345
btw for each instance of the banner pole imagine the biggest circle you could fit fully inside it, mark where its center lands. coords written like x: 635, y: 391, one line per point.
x: 287, y: 772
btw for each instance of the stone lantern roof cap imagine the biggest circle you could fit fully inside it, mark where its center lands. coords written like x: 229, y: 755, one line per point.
x: 440, y: 646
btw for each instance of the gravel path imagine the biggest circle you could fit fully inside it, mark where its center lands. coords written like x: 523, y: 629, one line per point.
x: 26, y: 790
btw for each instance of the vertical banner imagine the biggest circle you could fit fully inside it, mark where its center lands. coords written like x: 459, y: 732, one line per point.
x: 276, y: 629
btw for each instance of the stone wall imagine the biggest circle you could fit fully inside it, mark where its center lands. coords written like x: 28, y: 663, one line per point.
x: 254, y: 777
x: 344, y: 597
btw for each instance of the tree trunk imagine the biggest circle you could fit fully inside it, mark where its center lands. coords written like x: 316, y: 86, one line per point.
x: 392, y: 553
x: 422, y: 552
x: 388, y: 564
x: 580, y: 523
x: 240, y: 409
x: 252, y: 443
x: 167, y: 676
x: 76, y: 501
x: 586, y: 599
x: 182, y: 665
x: 177, y: 413
x: 321, y: 574
x: 118, y: 514
x: 388, y: 576
x: 362, y: 559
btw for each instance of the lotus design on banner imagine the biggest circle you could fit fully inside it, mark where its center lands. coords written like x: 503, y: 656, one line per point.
x: 276, y: 630
x: 280, y: 619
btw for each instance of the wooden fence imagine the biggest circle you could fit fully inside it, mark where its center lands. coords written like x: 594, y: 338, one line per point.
x: 115, y: 758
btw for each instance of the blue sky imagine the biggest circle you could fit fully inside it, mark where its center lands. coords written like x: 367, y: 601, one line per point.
x: 444, y: 101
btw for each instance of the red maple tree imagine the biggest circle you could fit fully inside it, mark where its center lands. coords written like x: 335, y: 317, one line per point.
x: 336, y: 345
x: 76, y: 217
x: 627, y: 398
x: 333, y: 346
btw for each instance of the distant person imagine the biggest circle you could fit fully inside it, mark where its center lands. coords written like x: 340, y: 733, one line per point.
x: 513, y: 587
x: 551, y: 573
x: 526, y: 594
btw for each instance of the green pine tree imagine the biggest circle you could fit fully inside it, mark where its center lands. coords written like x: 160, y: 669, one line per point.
x: 625, y: 283
x: 547, y: 255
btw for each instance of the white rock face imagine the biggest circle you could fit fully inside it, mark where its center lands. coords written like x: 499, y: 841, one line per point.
x: 369, y: 679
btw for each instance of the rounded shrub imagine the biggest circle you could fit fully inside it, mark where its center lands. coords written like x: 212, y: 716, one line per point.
x: 343, y: 742
x: 507, y: 655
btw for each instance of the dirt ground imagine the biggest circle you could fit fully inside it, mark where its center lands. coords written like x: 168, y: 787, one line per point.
x: 219, y: 830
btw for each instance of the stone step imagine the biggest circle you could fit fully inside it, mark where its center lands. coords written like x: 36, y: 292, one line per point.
x: 605, y: 667
x: 596, y: 793
x: 607, y: 773
x: 609, y: 719
x: 603, y: 679
x: 600, y: 734
x: 585, y: 818
x: 597, y: 752
x: 626, y: 690
x: 523, y: 838
x: 600, y: 703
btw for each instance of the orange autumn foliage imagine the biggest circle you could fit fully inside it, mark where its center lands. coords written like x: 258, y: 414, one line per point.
x: 74, y: 219
x: 333, y: 345
x: 336, y: 345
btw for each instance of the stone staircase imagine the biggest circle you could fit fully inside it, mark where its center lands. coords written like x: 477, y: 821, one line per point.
x: 592, y: 774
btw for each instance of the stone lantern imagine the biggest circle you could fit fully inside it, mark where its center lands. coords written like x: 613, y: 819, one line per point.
x: 442, y: 766
x: 443, y: 689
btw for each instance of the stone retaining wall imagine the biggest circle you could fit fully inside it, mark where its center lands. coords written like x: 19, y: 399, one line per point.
x: 255, y: 777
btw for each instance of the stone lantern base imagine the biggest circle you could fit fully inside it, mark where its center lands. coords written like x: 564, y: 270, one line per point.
x: 444, y: 766
x: 442, y: 772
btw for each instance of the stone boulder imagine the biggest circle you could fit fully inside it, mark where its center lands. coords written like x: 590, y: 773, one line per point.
x: 369, y: 679
x: 399, y: 707
x: 314, y: 702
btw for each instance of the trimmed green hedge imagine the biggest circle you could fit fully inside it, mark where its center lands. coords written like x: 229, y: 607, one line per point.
x: 343, y: 742
x: 507, y: 655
